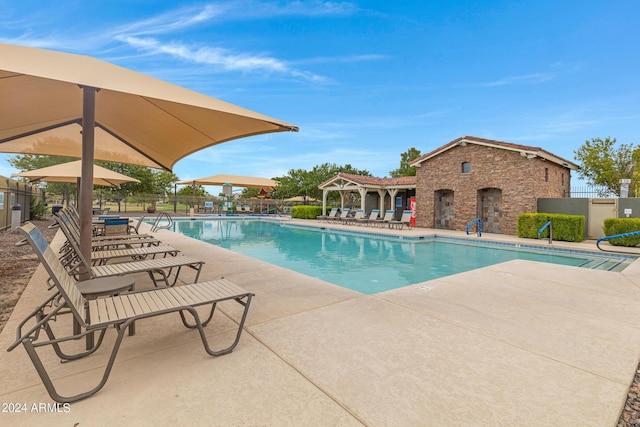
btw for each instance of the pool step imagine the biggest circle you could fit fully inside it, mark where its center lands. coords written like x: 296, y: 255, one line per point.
x: 605, y: 264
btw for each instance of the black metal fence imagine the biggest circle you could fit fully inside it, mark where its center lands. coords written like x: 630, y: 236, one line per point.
x: 150, y: 203
x: 593, y: 192
x: 16, y: 193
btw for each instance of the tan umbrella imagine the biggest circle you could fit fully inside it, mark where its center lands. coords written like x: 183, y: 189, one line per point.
x: 300, y: 199
x: 235, y: 181
x: 56, y: 103
x: 71, y: 172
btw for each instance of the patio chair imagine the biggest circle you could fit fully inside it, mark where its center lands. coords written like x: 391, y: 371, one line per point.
x: 372, y: 218
x: 120, y: 311
x: 116, y: 226
x: 134, y: 230
x: 343, y: 217
x: 65, y: 218
x: 388, y: 216
x: 358, y: 216
x: 404, y: 220
x: 74, y: 219
x: 102, y: 257
x: 332, y: 214
x: 74, y: 262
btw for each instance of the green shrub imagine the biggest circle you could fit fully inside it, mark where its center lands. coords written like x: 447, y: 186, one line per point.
x: 37, y: 209
x: 613, y: 226
x: 306, y: 212
x: 568, y: 228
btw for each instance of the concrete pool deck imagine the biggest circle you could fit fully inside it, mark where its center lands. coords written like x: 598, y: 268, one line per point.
x: 519, y: 343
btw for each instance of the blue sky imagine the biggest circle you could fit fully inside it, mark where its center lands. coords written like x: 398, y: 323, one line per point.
x: 367, y: 80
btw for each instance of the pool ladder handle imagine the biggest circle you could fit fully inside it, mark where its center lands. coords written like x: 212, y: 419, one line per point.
x: 156, y: 225
x: 615, y: 236
x: 477, y: 221
x: 550, y: 227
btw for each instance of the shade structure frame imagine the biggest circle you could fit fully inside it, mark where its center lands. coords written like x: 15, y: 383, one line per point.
x: 70, y: 172
x: 124, y: 116
x: 234, y: 180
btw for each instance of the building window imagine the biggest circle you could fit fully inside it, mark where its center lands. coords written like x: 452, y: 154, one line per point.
x: 466, y: 167
x: 546, y: 174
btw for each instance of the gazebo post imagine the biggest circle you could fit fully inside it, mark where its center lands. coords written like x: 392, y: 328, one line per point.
x: 363, y: 195
x: 324, y: 201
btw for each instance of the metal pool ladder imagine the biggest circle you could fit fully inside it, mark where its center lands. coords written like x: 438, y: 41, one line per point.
x: 602, y: 239
x: 477, y: 221
x: 547, y: 225
x: 157, y: 225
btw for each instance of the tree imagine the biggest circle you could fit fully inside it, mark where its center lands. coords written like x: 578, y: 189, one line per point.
x: 603, y: 164
x: 300, y: 182
x: 248, y: 193
x: 187, y: 191
x: 406, y: 158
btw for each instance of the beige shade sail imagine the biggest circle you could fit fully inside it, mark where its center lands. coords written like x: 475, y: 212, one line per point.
x: 56, y: 103
x: 300, y: 199
x: 72, y: 171
x: 139, y: 119
x: 235, y: 181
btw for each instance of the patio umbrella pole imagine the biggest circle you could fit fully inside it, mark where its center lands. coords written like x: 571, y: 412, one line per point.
x: 86, y: 182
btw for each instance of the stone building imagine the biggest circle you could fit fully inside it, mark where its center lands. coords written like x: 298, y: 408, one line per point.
x: 495, y: 181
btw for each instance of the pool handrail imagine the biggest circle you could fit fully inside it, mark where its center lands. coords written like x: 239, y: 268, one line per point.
x: 156, y: 225
x: 615, y: 236
x: 550, y: 227
x: 477, y: 221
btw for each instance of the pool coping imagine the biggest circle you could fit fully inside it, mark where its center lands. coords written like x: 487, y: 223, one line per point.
x: 422, y: 234
x: 510, y: 344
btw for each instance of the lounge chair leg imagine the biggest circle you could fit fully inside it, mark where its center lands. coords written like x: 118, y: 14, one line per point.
x: 70, y: 357
x: 153, y: 277
x: 230, y: 348
x: 42, y: 323
x: 195, y: 325
x: 46, y: 380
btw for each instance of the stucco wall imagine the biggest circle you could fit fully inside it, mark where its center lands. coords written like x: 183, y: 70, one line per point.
x: 521, y: 180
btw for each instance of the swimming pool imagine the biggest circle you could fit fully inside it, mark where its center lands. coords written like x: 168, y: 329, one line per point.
x: 367, y: 263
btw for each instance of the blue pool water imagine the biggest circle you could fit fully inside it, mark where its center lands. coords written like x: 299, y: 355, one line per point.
x: 368, y: 264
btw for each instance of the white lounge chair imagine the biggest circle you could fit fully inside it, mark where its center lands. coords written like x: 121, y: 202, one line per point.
x: 358, y: 216
x: 372, y: 218
x: 332, y: 214
x: 343, y: 217
x: 388, y: 216
x: 404, y: 220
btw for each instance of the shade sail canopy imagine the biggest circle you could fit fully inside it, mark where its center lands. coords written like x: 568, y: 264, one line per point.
x: 139, y: 119
x: 235, y: 181
x: 71, y: 171
x: 77, y: 106
x: 300, y: 199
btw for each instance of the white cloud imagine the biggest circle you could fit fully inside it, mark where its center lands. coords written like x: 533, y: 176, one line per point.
x: 223, y: 59
x: 247, y: 9
x: 242, y: 10
x: 342, y: 59
x: 156, y: 35
x: 172, y: 21
x: 521, y: 80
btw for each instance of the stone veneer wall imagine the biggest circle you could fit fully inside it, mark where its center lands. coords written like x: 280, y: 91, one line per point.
x: 521, y: 180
